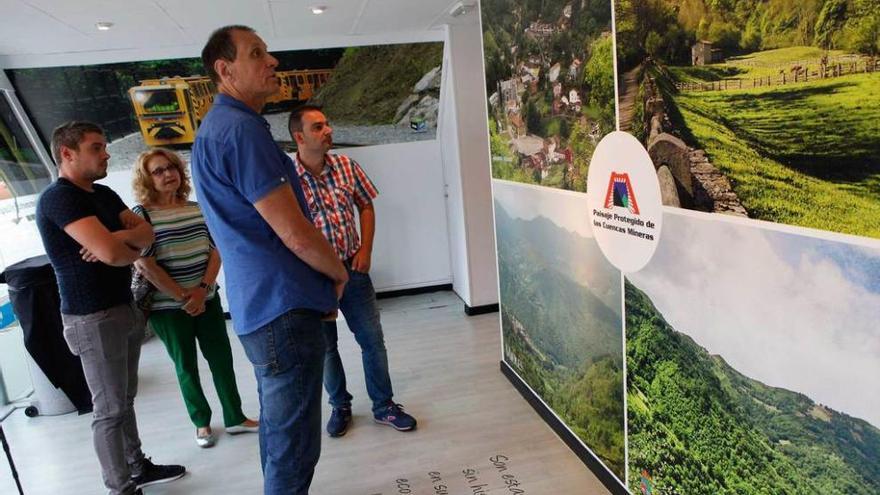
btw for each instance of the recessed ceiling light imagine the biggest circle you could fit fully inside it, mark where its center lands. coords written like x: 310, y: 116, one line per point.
x: 318, y: 9
x: 103, y: 26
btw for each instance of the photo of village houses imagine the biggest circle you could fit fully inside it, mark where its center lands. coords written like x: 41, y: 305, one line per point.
x: 761, y: 109
x: 550, y: 87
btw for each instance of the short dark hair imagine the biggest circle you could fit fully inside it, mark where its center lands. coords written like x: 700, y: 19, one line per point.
x: 220, y: 46
x: 70, y: 134
x: 294, y: 122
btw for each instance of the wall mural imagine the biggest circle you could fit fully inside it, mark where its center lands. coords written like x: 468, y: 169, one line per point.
x: 561, y: 313
x: 371, y: 94
x: 766, y: 110
x: 755, y: 374
x: 749, y: 340
x: 550, y: 88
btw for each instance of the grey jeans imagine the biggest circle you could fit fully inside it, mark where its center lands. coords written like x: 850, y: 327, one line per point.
x: 109, y: 344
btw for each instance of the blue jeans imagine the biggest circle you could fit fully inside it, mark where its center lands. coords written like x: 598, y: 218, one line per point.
x: 358, y: 305
x: 287, y: 355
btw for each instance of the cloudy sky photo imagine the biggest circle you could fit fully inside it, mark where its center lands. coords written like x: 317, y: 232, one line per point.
x: 566, y: 209
x: 791, y: 311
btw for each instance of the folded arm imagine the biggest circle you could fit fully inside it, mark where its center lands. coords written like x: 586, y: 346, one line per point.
x: 138, y: 232
x: 102, y: 245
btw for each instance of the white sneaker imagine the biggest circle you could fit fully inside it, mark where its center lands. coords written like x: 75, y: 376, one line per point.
x: 243, y: 428
x: 205, y: 441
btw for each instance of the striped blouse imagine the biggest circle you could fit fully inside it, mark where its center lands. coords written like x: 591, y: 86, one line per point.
x: 181, y: 248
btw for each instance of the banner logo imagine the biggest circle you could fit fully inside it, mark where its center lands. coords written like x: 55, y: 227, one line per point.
x: 620, y: 193
x: 626, y: 230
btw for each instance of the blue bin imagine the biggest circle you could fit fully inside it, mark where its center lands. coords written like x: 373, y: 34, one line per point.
x: 7, y: 317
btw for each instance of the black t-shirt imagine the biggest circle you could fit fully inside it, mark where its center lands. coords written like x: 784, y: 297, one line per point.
x: 85, y: 287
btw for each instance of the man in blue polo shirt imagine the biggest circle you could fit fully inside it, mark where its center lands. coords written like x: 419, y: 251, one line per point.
x: 282, y: 276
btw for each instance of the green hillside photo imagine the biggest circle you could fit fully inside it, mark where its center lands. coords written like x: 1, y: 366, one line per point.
x: 778, y: 99
x: 752, y: 362
x: 370, y: 83
x: 561, y: 323
x: 698, y: 426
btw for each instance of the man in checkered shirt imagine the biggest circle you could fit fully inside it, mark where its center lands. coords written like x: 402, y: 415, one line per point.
x: 337, y: 189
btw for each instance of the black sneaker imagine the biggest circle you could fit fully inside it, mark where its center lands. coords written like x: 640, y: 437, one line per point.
x: 152, y: 474
x: 395, y: 417
x: 339, y: 420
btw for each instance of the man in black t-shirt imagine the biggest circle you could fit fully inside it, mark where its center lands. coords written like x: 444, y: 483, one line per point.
x: 92, y: 238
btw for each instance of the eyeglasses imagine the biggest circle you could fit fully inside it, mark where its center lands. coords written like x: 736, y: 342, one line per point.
x: 159, y: 172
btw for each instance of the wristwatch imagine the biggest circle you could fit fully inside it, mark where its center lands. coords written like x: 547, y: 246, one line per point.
x: 204, y: 285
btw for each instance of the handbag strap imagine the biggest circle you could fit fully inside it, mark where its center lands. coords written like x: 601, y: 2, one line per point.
x: 146, y: 215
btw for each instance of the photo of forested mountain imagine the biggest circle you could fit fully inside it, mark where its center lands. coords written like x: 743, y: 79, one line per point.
x: 561, y: 314
x: 550, y: 87
x: 758, y: 376
x: 766, y: 109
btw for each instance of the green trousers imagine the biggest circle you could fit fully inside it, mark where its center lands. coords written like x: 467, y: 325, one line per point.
x: 180, y: 332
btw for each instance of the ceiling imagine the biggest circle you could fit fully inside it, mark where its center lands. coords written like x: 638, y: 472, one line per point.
x: 56, y: 27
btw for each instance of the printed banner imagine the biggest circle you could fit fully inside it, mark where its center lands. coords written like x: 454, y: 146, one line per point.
x: 371, y: 95
x: 726, y: 239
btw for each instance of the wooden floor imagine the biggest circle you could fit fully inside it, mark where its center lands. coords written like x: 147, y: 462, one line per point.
x: 445, y: 371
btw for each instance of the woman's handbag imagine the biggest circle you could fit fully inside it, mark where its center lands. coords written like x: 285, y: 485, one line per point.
x: 142, y: 290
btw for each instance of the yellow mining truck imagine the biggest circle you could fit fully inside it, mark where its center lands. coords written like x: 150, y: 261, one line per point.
x: 299, y: 85
x: 169, y: 110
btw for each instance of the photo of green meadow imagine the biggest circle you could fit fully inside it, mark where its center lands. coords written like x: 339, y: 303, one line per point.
x: 763, y: 109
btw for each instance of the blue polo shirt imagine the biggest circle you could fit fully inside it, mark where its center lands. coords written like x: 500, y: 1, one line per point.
x: 235, y: 163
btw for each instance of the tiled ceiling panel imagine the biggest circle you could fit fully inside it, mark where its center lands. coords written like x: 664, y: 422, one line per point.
x: 199, y: 17
x: 388, y: 15
x: 294, y: 19
x: 47, y: 27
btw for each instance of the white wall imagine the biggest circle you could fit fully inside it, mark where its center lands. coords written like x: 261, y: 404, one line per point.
x: 411, y: 248
x: 465, y: 140
x: 447, y: 134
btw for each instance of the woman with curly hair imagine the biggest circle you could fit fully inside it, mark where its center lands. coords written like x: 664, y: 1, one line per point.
x: 183, y: 265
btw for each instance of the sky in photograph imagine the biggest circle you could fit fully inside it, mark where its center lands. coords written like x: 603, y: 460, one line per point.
x: 790, y: 311
x: 566, y: 209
